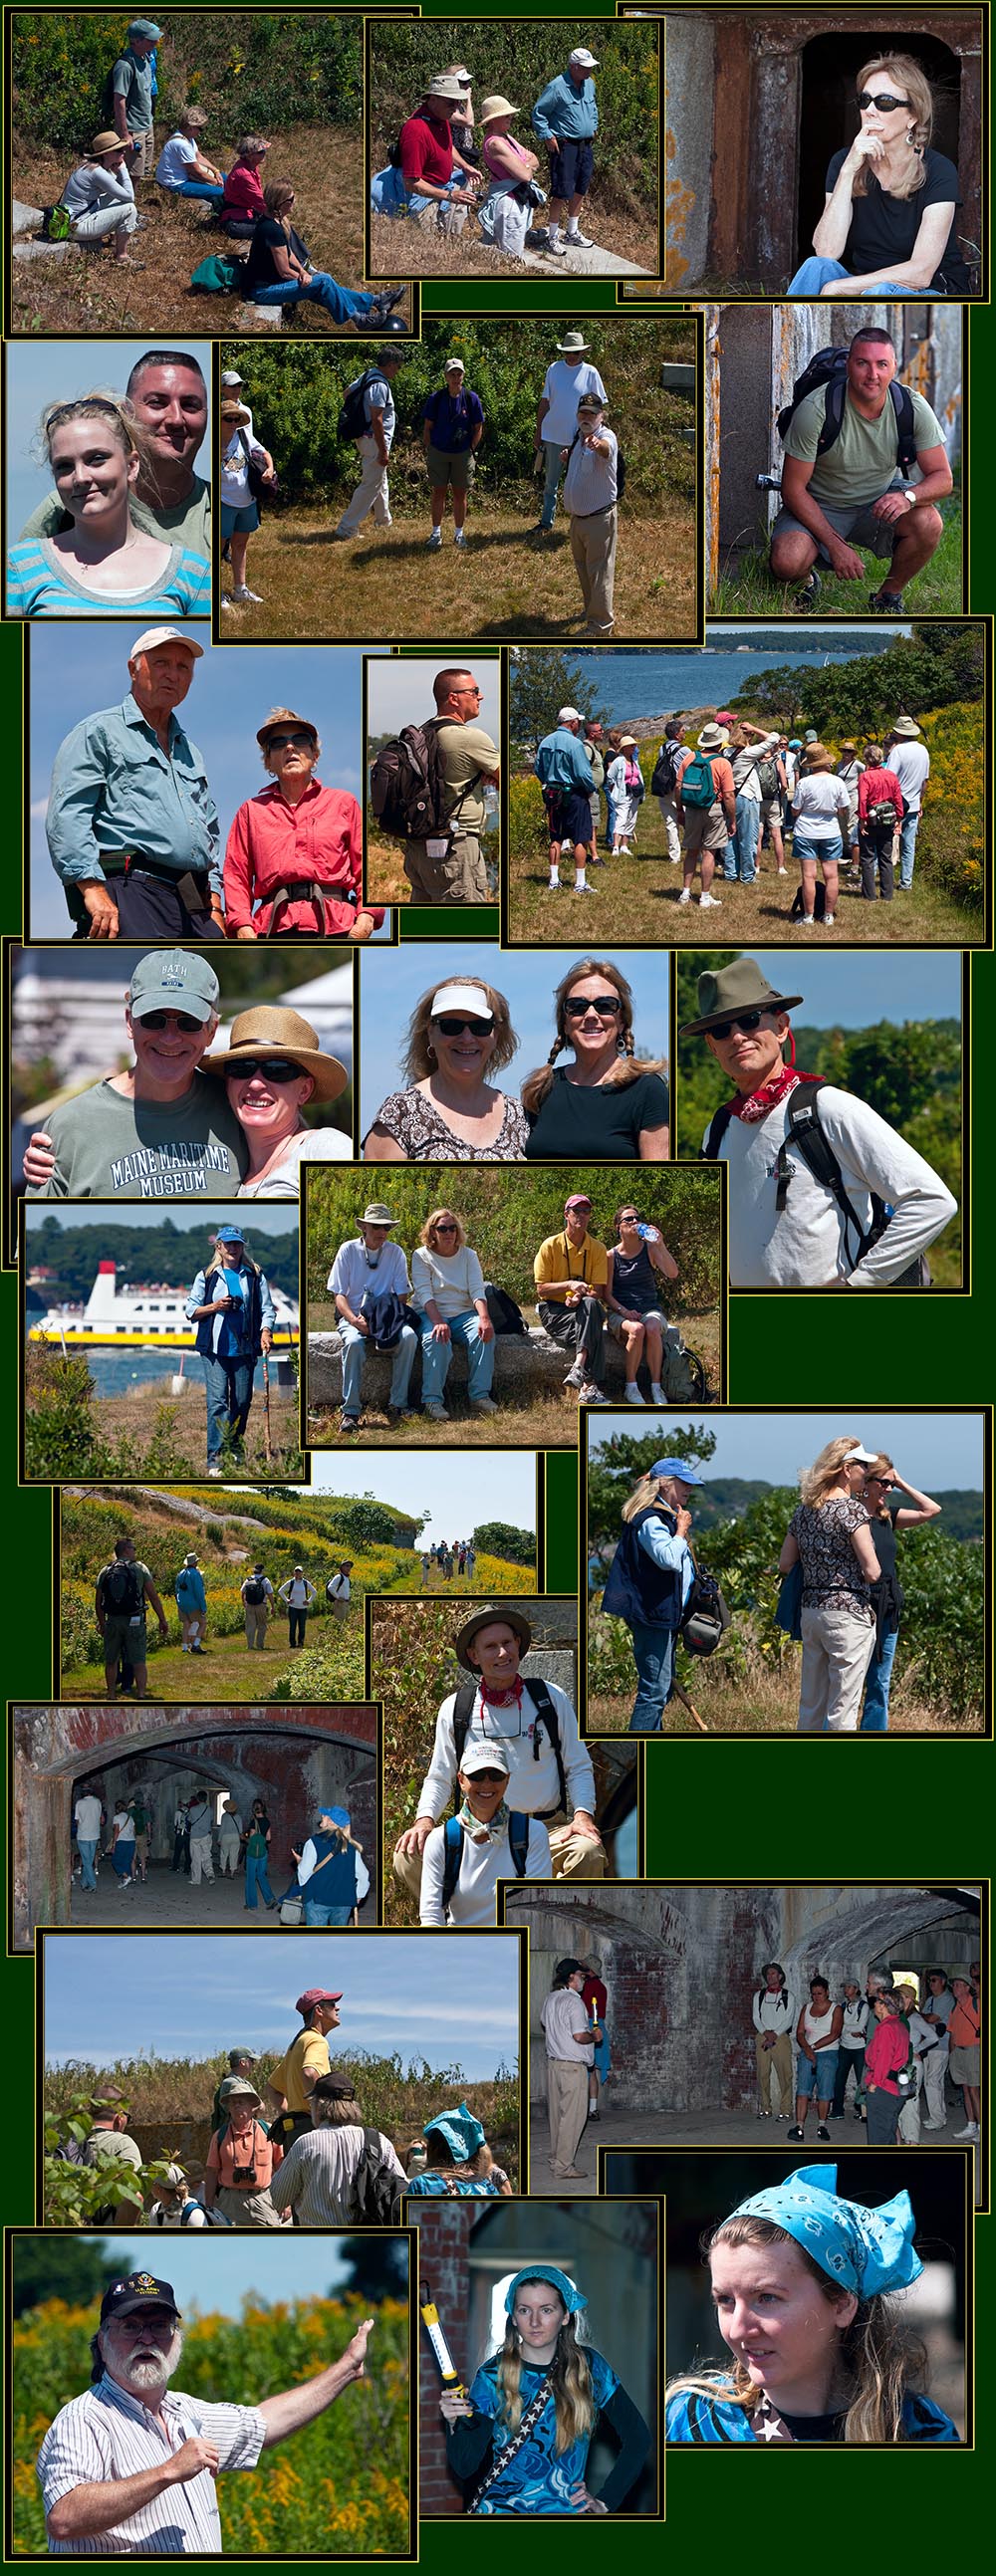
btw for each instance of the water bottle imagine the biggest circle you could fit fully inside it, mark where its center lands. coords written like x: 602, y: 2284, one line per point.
x: 490, y: 808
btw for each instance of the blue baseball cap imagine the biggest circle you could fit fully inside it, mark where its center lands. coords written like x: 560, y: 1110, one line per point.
x: 675, y: 1467
x: 230, y: 1234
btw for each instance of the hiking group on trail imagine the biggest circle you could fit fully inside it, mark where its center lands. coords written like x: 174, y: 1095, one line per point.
x: 330, y: 1880
x: 125, y: 1591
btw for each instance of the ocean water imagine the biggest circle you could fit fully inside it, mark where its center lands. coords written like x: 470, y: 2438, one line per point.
x: 655, y: 683
x: 115, y: 1372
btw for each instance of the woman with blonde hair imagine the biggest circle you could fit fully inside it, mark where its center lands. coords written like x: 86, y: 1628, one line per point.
x: 105, y: 564
x: 459, y: 1031
x: 889, y: 220
x: 829, y: 1535
x: 820, y: 800
x: 609, y: 1102
x: 526, y: 2427
x: 650, y: 1579
x: 804, y: 2283
x: 887, y: 1519
x: 448, y: 1295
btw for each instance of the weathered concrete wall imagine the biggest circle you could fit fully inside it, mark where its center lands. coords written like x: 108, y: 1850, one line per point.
x: 689, y: 42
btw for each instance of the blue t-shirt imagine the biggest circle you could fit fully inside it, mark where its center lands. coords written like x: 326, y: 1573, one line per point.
x: 233, y: 1335
x: 539, y: 2479
x: 453, y: 420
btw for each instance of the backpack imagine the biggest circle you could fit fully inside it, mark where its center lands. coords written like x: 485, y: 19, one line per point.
x: 255, y: 1592
x: 375, y: 2189
x: 352, y: 421
x: 819, y: 903
x: 211, y: 2217
x: 698, y: 787
x: 121, y: 1589
x: 109, y: 94
x: 705, y: 1618
x: 829, y: 367
x: 806, y: 1134
x: 518, y: 1836
x: 408, y: 792
x: 68, y: 2152
x: 767, y: 777
x: 56, y: 223
x: 620, y: 464
x: 881, y: 813
x: 217, y: 275
x: 462, y: 1712
x: 665, y: 777
x: 505, y: 1315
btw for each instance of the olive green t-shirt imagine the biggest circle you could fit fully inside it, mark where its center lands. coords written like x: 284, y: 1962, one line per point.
x: 107, y: 1147
x: 464, y: 751
x: 862, y: 462
x: 188, y: 523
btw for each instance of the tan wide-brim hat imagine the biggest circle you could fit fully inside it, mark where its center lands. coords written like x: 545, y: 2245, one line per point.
x: 274, y: 1031
x: 487, y: 1618
x: 497, y: 106
x: 279, y: 717
x: 904, y: 730
x: 103, y: 144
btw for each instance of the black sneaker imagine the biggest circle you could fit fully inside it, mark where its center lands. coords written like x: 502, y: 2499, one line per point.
x: 885, y: 603
x: 823, y: 2135
x: 807, y: 596
x: 794, y: 2136
x: 384, y: 303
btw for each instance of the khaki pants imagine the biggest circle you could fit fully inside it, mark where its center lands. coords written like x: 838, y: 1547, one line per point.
x: 459, y: 878
x: 593, y: 546
x: 256, y: 1623
x: 371, y: 492
x: 567, y: 2109
x: 571, y: 1855
x: 247, y: 2208
x: 836, y: 1652
x: 778, y: 2058
x: 439, y: 217
x: 141, y: 164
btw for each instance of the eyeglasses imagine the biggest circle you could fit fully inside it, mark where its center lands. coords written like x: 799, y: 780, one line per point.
x: 252, y: 1068
x: 445, y: 1226
x: 608, y: 1005
x: 883, y: 100
x: 468, y: 693
x: 291, y: 741
x: 490, y: 1778
x: 450, y: 1027
x: 747, y: 1021
x: 161, y: 1020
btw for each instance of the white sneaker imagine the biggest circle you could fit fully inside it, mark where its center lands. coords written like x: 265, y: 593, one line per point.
x: 709, y: 903
x: 435, y: 541
x: 633, y: 1395
x: 685, y: 895
x: 255, y: 595
x: 969, y: 2132
x: 657, y: 1394
x: 580, y: 241
x: 807, y: 920
x: 555, y: 250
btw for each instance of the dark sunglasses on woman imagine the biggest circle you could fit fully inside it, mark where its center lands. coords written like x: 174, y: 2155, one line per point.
x: 450, y: 1027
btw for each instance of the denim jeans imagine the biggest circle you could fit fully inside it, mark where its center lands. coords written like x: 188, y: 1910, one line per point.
x: 123, y: 1859
x: 816, y: 273
x: 817, y: 2076
x: 551, y: 481
x: 229, y: 1399
x: 316, y: 1915
x: 653, y: 1654
x: 741, y: 852
x: 338, y: 301
x: 88, y: 1854
x: 875, y: 1705
x: 850, y: 2061
x: 908, y: 830
x: 297, y: 1620
x: 436, y: 1357
x: 200, y: 188
x: 257, y: 1876
x: 353, y: 1346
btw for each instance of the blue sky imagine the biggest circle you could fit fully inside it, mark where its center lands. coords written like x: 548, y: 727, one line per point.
x: 180, y: 1995
x: 932, y: 1450
x: 260, y: 1220
x: 400, y: 692
x: 855, y: 991
x: 211, y: 2273
x: 528, y: 979
x: 44, y: 371
x: 460, y: 1492
x: 75, y: 671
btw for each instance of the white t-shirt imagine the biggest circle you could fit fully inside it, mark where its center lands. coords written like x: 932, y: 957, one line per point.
x: 337, y: 1588
x: 533, y: 1786
x: 235, y: 490
x: 910, y: 763
x: 818, y: 803
x: 175, y: 161
x: 562, y: 389
x: 857, y: 2018
x: 804, y: 1246
x: 482, y: 1864
x: 453, y: 1282
x: 564, y: 2012
x: 770, y: 2013
x: 311, y: 1145
x: 943, y: 2006
x: 87, y: 1818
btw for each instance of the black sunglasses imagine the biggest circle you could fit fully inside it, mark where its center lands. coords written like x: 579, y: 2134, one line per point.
x: 451, y: 1027
x: 607, y: 1006
x: 882, y: 99
x: 266, y: 1068
x: 291, y: 741
x: 746, y: 1020
x: 492, y: 1776
x: 161, y: 1020
x: 444, y: 1225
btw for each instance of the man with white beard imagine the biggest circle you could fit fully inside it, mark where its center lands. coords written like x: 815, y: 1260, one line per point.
x: 128, y: 2470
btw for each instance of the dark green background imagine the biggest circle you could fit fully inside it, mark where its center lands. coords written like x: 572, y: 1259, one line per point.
x: 716, y: 1810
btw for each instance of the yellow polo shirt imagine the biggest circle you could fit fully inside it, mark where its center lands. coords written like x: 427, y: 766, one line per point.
x: 308, y: 2053
x: 557, y: 1258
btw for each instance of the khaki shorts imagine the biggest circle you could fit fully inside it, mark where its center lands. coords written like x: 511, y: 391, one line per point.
x: 703, y: 830
x: 141, y: 164
x: 459, y: 878
x: 856, y: 525
x: 124, y: 1637
x: 444, y: 470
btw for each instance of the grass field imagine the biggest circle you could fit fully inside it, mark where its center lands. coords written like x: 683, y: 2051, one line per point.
x: 745, y: 587
x: 227, y: 1671
x: 90, y: 292
x: 145, y: 1428
x: 508, y: 583
x: 766, y: 1705
x: 386, y: 881
x: 637, y: 899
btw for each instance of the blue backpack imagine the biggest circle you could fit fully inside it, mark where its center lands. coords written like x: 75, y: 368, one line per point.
x: 518, y: 1836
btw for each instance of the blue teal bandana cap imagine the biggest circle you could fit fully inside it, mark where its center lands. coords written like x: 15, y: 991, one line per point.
x: 865, y: 2250
x: 463, y: 2134
x: 545, y: 2272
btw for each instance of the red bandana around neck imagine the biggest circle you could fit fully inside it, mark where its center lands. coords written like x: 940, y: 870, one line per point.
x: 500, y: 1698
x: 752, y: 1106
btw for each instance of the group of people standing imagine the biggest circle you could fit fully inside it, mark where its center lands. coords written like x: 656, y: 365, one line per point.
x: 742, y: 787
x: 460, y: 1558
x: 896, y: 2043
x: 438, y: 173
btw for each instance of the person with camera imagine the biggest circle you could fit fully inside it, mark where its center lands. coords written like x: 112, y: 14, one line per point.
x: 888, y: 2051
x: 241, y: 2159
x: 650, y: 1579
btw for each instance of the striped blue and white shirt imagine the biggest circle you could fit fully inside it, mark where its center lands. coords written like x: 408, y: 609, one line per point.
x: 107, y: 2433
x: 39, y: 584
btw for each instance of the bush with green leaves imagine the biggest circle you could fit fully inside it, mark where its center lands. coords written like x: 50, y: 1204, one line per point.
x: 254, y: 71
x: 515, y: 59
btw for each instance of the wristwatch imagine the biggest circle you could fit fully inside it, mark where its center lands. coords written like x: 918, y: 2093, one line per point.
x: 910, y: 489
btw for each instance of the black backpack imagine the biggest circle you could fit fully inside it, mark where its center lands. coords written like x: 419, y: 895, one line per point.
x: 505, y: 1315
x: 121, y: 1589
x: 829, y: 367
x: 463, y: 1707
x: 705, y: 1618
x: 665, y: 774
x: 255, y: 1592
x: 806, y: 1134
x: 620, y: 464
x: 375, y: 2190
x: 352, y: 421
x: 518, y: 1838
x: 408, y: 793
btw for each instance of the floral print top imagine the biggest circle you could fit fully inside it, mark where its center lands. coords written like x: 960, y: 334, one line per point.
x: 830, y: 1569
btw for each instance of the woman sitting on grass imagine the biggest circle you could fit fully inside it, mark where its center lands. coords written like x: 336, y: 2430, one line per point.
x: 242, y: 201
x: 105, y: 563
x: 181, y: 166
x: 280, y: 271
x: 100, y: 200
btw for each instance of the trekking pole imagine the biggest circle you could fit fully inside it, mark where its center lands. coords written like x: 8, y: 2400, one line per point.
x: 678, y: 1693
x: 266, y: 1410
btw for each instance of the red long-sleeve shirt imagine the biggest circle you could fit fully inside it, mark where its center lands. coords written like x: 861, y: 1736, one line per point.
x: 273, y: 844
x: 888, y: 2048
x: 426, y: 152
x: 243, y: 192
x: 879, y: 787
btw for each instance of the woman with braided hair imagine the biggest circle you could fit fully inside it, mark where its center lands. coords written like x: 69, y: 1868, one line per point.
x: 609, y: 1102
x: 519, y: 2443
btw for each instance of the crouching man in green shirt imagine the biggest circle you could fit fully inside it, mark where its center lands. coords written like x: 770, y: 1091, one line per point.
x: 849, y: 454
x: 163, y: 1129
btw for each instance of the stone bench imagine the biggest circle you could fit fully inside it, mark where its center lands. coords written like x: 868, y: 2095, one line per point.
x: 524, y: 1367
x: 28, y: 220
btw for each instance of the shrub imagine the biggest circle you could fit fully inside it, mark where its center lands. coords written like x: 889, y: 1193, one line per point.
x: 254, y: 71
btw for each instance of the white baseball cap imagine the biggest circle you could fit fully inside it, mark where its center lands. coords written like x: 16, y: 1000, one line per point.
x: 231, y: 376
x: 569, y: 715
x: 164, y: 635
x: 582, y: 55
x: 489, y: 1756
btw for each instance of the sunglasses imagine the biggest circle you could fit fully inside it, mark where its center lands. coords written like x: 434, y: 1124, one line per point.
x: 491, y: 1778
x: 161, y: 1020
x: 450, y: 1027
x: 263, y: 1068
x: 883, y: 99
x: 745, y: 1020
x: 292, y: 741
x: 607, y: 1005
x: 445, y: 1226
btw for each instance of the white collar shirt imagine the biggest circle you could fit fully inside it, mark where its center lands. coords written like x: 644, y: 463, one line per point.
x: 107, y: 2434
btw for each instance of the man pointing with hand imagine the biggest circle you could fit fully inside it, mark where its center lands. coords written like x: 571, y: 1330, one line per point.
x: 128, y: 2470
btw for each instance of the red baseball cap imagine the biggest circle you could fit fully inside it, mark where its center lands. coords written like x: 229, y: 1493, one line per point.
x: 580, y: 1199
x: 315, y: 1995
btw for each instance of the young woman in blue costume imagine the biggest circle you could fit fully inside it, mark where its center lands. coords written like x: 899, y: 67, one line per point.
x: 519, y: 2444
x: 801, y: 2281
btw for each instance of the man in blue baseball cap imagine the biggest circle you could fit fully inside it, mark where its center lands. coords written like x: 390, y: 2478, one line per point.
x: 650, y: 1579
x: 130, y: 93
x: 231, y: 1305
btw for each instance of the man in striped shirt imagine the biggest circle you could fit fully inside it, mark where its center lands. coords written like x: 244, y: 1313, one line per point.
x: 128, y: 2470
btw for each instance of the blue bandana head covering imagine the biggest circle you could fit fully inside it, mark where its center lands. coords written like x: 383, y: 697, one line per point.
x: 546, y: 2272
x: 864, y: 2250
x: 462, y: 2133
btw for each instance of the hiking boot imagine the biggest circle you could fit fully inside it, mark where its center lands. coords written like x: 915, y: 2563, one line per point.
x: 807, y: 596
x: 385, y: 303
x: 482, y: 1404
x: 885, y: 603
x: 349, y: 1422
x: 436, y: 1412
